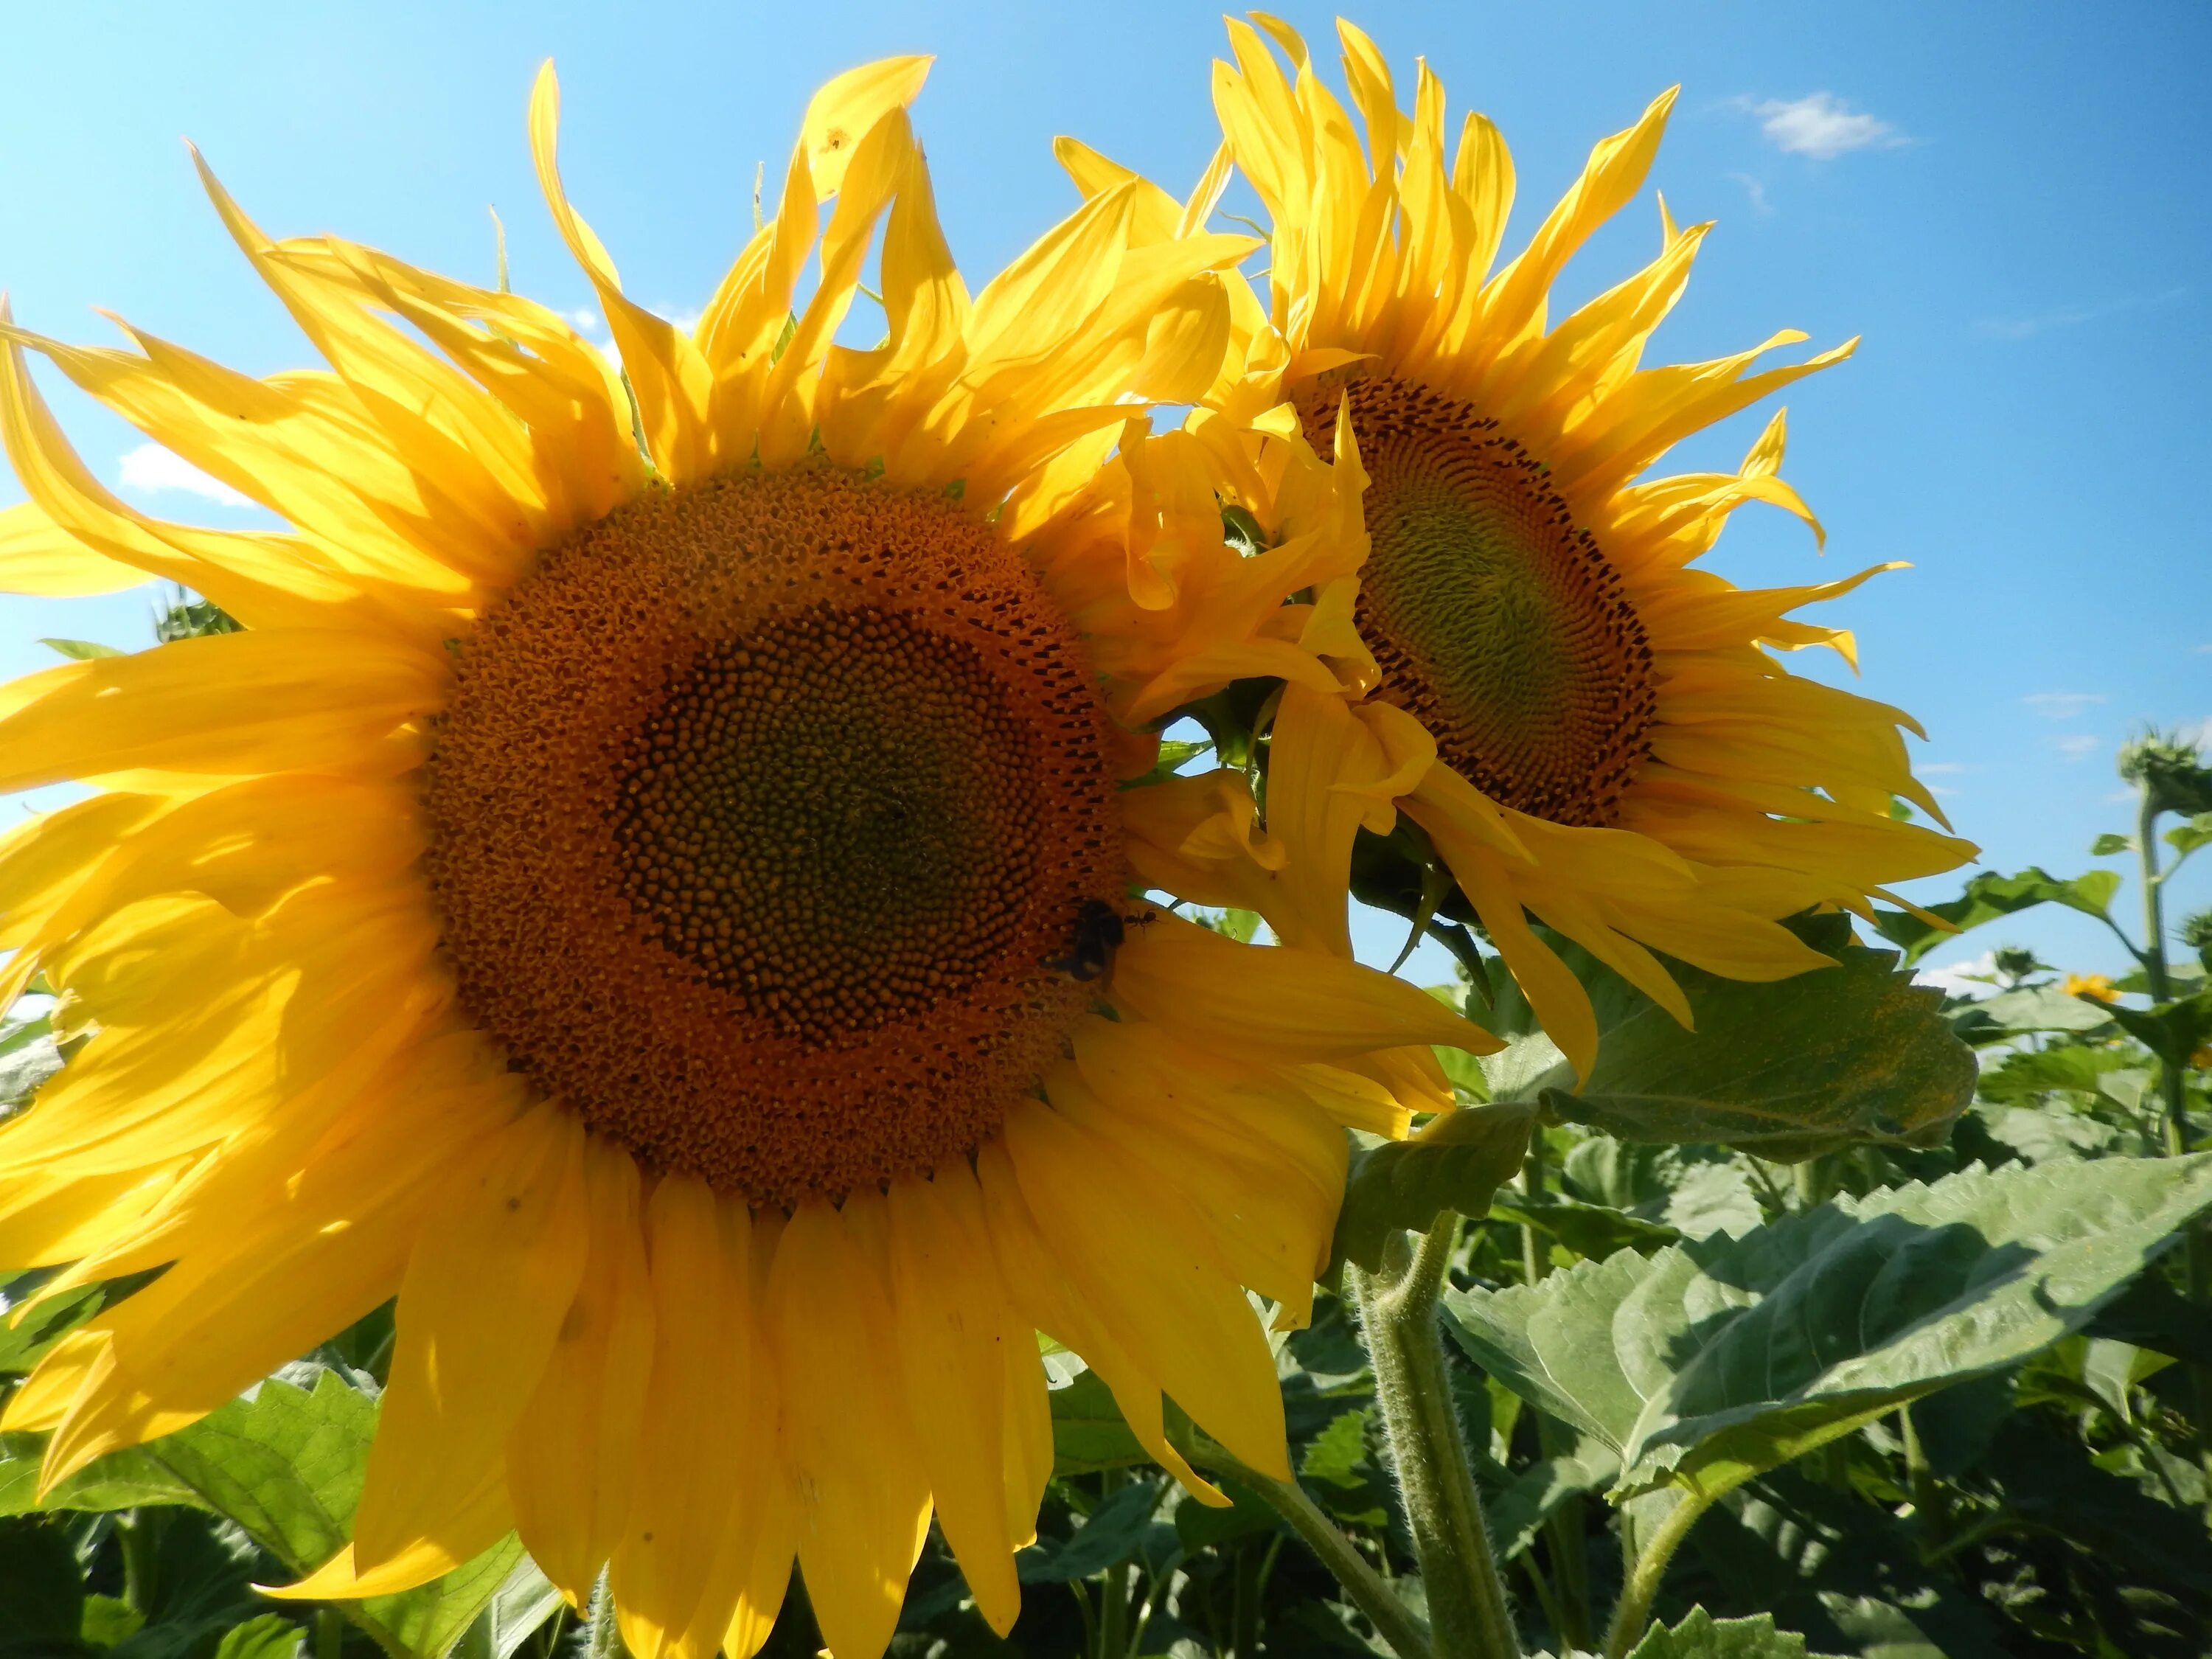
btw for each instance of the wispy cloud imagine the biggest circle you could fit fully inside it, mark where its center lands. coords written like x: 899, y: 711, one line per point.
x: 1940, y: 769
x: 1756, y: 191
x: 2199, y: 733
x: 586, y: 320
x: 2079, y: 746
x: 2063, y: 705
x: 1821, y: 125
x: 153, y: 470
x: 2028, y: 324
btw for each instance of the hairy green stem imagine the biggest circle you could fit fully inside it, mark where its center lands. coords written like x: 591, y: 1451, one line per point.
x: 602, y: 1629
x: 1633, y: 1611
x: 1392, y: 1620
x: 330, y: 1632
x: 2196, y: 1245
x: 1436, y: 1477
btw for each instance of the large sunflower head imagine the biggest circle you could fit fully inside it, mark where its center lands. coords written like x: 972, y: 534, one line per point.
x: 1587, y: 727
x: 653, y: 894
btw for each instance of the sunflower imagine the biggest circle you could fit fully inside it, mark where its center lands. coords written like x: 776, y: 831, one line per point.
x: 1588, y: 729
x: 652, y: 893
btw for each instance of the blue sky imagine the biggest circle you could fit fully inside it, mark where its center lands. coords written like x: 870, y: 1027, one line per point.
x: 2008, y: 203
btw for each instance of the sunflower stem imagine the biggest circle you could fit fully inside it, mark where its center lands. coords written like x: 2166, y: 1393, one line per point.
x: 2196, y: 1245
x: 1633, y: 1611
x: 1468, y: 1608
x: 1391, y: 1619
x: 602, y: 1629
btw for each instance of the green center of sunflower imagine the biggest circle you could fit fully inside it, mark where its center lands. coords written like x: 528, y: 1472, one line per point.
x: 829, y: 818
x: 1495, y: 618
x: 766, y: 817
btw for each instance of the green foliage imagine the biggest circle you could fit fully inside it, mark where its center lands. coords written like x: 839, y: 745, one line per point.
x: 1701, y: 1635
x: 1456, y: 1162
x: 1990, y: 896
x: 1710, y: 1364
x: 284, y: 1465
x: 1849, y: 1055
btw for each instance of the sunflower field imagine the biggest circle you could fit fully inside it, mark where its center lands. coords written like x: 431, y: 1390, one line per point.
x: 714, y: 997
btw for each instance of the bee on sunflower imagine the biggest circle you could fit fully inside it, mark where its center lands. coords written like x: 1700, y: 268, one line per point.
x: 1585, y: 727
x: 636, y: 890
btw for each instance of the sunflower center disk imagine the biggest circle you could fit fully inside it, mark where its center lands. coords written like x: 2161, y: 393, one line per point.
x: 761, y: 814
x: 1496, y: 621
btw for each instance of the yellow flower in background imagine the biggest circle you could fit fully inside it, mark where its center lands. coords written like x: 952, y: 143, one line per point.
x: 1590, y: 730
x: 658, y: 917
x: 2096, y: 987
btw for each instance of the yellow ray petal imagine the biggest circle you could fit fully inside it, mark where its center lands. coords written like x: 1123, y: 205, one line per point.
x: 1143, y: 1261
x: 864, y: 1499
x: 952, y: 1327
x: 571, y: 1455
x: 1300, y: 1005
x: 689, y: 1479
x: 841, y: 114
x: 487, y: 1287
x: 37, y: 556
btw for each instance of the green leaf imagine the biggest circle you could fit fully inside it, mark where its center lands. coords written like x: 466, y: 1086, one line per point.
x: 2151, y: 1314
x: 80, y: 650
x: 1337, y: 1460
x: 2174, y: 1032
x: 2109, y: 845
x: 1701, y: 1636
x: 1200, y: 1526
x: 1457, y: 1160
x: 285, y: 1463
x: 2042, y: 1133
x: 1718, y: 1360
x: 2031, y: 1073
x: 1518, y: 1514
x: 1591, y: 1229
x: 2045, y: 1008
x: 1115, y: 1532
x: 1837, y: 1057
x: 108, y: 1620
x: 1989, y: 895
x: 28, y: 1056
x: 271, y: 1636
x: 1088, y: 1434
x: 2186, y: 838
x: 23, y: 1343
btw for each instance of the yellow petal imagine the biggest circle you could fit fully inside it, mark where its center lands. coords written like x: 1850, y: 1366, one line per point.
x: 690, y: 1476
x: 864, y: 1499
x: 952, y: 1328
x: 841, y: 114
x: 37, y: 556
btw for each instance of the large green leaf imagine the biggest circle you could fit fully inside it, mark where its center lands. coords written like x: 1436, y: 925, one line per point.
x: 1830, y: 1059
x: 285, y: 1463
x: 1701, y: 1636
x: 2174, y: 1033
x: 1989, y: 895
x: 1088, y: 1433
x: 1455, y: 1162
x: 1715, y: 1359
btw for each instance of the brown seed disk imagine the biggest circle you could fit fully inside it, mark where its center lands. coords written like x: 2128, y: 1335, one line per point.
x: 761, y: 813
x: 1495, y: 618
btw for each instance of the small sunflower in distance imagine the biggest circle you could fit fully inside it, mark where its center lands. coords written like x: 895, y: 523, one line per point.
x: 646, y: 895
x: 1589, y: 729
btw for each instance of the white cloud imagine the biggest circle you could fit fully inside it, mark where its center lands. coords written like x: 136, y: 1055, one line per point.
x: 1756, y: 191
x: 2200, y: 734
x: 1940, y: 769
x: 2063, y: 705
x: 1821, y: 127
x: 151, y: 469
x: 2204, y: 650
x: 2079, y: 746
x: 1975, y: 978
x: 586, y: 319
x: 2029, y: 325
